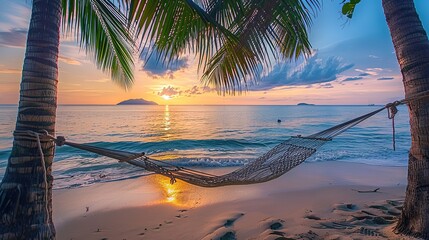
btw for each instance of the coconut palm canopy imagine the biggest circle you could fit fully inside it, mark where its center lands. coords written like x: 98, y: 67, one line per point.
x: 232, y: 39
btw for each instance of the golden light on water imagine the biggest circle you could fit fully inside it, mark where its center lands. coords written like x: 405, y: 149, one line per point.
x: 166, y: 118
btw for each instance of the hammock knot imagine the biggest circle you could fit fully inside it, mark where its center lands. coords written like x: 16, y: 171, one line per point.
x: 172, y: 180
x: 60, y: 141
x: 392, y: 110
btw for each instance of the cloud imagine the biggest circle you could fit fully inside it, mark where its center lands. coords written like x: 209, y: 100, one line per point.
x: 352, y: 79
x: 102, y: 80
x: 170, y: 91
x: 357, y: 50
x: 15, y: 37
x: 385, y: 78
x: 68, y: 60
x: 98, y: 91
x: 326, y: 85
x: 364, y: 74
x: 313, y: 70
x: 176, y: 91
x: 155, y: 66
x: 195, y: 90
x: 15, y: 14
x: 9, y: 70
x: 369, y: 71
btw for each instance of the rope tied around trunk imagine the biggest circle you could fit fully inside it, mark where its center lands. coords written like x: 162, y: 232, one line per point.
x: 45, y: 177
x: 392, y: 110
x: 37, y: 136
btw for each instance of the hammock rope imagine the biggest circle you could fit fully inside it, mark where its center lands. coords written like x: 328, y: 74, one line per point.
x: 274, y: 163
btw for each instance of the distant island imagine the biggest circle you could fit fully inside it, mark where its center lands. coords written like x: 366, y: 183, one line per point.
x: 305, y: 104
x: 139, y: 101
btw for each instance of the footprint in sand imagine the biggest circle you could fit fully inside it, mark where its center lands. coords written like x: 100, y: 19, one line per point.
x: 182, y: 215
x: 272, y: 223
x: 221, y: 234
x: 276, y: 225
x: 368, y: 232
x: 308, y: 235
x: 225, y: 231
x: 228, y: 236
x: 347, y: 207
x: 366, y: 221
x: 272, y: 228
x: 230, y: 222
x: 312, y: 217
x: 156, y: 228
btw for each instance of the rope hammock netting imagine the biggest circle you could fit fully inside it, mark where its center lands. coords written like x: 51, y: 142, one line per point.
x: 270, y: 165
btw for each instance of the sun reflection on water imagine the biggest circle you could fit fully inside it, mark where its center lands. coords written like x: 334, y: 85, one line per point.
x: 167, y: 118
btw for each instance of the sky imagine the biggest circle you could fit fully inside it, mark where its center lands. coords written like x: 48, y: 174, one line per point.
x: 353, y: 62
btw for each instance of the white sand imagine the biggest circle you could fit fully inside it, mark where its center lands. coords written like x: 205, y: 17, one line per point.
x: 313, y: 201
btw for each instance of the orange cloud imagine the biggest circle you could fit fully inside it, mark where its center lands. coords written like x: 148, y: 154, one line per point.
x: 68, y: 60
x: 10, y: 71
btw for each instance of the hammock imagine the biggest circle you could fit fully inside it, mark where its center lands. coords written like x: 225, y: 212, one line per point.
x: 270, y: 165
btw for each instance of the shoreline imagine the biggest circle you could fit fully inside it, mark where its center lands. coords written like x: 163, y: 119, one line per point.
x: 309, y: 200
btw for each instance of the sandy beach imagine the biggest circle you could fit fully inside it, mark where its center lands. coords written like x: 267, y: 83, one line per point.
x: 314, y: 201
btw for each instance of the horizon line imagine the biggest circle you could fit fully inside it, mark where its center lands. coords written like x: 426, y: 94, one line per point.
x: 309, y: 105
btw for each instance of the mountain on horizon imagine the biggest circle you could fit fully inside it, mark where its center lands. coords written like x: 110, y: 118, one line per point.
x: 137, y: 101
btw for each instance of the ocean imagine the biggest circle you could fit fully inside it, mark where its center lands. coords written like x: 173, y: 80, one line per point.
x: 207, y: 136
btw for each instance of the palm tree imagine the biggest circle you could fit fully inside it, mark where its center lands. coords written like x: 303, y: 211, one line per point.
x: 26, y: 189
x: 412, y: 51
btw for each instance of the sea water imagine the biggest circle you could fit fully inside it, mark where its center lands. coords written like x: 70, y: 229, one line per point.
x: 207, y: 136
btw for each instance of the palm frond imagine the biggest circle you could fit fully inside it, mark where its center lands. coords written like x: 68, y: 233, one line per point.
x: 102, y: 31
x: 234, y: 40
x: 176, y: 27
x: 270, y: 29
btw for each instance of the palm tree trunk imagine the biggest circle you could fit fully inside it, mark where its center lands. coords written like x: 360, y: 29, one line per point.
x: 26, y: 189
x: 412, y: 50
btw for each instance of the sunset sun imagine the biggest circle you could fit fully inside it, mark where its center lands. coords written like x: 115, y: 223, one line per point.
x: 166, y: 97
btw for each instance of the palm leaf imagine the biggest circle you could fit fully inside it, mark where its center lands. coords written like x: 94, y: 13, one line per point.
x: 102, y: 31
